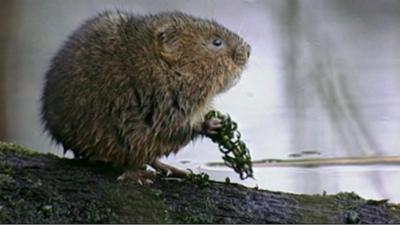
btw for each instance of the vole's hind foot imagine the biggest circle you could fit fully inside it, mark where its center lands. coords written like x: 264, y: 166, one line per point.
x: 142, y: 177
x: 211, y: 126
x: 169, y: 170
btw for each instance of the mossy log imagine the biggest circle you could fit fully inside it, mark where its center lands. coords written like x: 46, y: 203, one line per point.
x: 43, y: 188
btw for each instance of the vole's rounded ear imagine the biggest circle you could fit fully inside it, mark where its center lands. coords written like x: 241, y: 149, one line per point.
x: 170, y: 44
x: 165, y: 33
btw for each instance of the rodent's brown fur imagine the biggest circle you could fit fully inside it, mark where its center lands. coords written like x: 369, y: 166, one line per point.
x: 129, y: 89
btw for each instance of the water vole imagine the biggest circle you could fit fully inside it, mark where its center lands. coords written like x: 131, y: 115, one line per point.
x: 129, y: 89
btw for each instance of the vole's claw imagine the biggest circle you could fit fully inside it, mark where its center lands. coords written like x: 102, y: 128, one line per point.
x: 140, y: 176
x: 211, y: 126
x: 149, y: 181
x: 169, y: 170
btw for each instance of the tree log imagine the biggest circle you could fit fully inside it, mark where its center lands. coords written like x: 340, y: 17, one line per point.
x: 43, y: 188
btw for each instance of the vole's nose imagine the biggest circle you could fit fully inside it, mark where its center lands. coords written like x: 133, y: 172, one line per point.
x: 242, y: 54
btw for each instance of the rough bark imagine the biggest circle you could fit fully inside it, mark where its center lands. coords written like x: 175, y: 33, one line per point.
x: 42, y: 188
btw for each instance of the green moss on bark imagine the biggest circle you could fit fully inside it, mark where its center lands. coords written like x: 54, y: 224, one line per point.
x: 42, y: 188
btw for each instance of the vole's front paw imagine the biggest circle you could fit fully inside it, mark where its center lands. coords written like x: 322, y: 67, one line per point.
x: 140, y: 176
x: 211, y: 126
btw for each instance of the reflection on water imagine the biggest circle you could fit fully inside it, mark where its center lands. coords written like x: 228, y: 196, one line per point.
x: 379, y: 181
x: 310, y: 172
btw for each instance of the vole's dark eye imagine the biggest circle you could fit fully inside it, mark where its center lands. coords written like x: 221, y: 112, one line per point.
x: 216, y: 42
